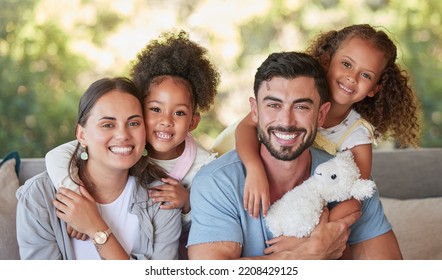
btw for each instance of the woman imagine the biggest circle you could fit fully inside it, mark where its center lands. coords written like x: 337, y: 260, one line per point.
x: 112, y: 208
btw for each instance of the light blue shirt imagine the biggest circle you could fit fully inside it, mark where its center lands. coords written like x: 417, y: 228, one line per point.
x: 218, y: 213
x: 42, y: 235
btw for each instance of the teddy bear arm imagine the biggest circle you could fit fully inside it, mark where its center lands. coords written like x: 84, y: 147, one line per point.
x: 363, y: 189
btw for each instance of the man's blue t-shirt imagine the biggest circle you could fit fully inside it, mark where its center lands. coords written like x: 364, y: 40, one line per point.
x: 218, y: 213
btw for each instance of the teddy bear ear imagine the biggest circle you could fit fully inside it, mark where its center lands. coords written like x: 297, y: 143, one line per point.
x: 345, y: 157
x: 346, y: 154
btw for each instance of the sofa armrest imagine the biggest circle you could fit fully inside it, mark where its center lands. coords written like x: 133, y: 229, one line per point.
x: 29, y: 167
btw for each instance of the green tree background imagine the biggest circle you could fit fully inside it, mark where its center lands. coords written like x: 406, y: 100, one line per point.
x: 49, y: 55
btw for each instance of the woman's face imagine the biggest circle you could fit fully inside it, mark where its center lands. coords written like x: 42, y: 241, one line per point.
x: 114, y: 132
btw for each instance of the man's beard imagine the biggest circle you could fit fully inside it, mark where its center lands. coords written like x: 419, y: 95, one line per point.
x: 285, y: 153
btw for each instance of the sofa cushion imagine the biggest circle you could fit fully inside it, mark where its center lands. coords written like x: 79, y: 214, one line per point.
x: 408, y: 173
x: 417, y: 224
x: 8, y: 203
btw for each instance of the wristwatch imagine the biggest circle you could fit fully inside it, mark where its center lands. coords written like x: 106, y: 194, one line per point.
x: 101, y: 237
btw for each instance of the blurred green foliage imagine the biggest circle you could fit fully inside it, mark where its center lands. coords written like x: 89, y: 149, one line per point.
x: 38, y: 92
x: 40, y: 74
x: 416, y: 29
x: 39, y: 79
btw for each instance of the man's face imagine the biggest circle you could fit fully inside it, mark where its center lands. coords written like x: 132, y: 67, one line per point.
x: 287, y: 114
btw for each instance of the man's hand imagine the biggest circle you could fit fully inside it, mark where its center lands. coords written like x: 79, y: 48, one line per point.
x: 329, y: 239
x: 282, y: 243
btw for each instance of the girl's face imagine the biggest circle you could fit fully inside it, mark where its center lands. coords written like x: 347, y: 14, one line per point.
x: 354, y: 71
x: 169, y: 118
x: 114, y: 133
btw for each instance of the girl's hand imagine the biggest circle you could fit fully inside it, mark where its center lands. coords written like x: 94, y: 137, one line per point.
x: 78, y: 210
x: 282, y: 243
x: 172, y: 195
x: 256, y: 192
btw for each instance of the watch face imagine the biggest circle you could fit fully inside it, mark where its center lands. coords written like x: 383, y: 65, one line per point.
x: 100, y: 237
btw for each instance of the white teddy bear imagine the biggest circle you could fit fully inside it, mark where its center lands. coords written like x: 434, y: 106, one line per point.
x: 297, y: 213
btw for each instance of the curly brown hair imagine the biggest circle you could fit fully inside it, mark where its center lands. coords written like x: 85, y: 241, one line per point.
x: 395, y: 110
x: 174, y: 54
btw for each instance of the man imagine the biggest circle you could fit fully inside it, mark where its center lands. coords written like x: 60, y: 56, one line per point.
x: 291, y: 101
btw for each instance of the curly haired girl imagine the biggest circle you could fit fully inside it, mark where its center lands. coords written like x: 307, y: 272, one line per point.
x: 178, y: 82
x: 392, y: 108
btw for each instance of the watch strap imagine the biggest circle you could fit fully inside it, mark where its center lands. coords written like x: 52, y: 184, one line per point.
x: 108, y: 232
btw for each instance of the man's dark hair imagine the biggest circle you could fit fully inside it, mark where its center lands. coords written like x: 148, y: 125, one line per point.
x: 291, y: 65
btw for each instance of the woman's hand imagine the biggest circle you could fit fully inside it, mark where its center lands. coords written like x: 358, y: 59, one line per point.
x: 78, y: 210
x: 76, y: 234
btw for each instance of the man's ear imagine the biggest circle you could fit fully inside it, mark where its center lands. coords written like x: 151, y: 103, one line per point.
x: 196, y: 118
x: 253, y: 109
x: 323, y: 110
x: 377, y: 88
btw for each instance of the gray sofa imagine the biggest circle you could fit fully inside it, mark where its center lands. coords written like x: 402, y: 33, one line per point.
x: 410, y: 185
